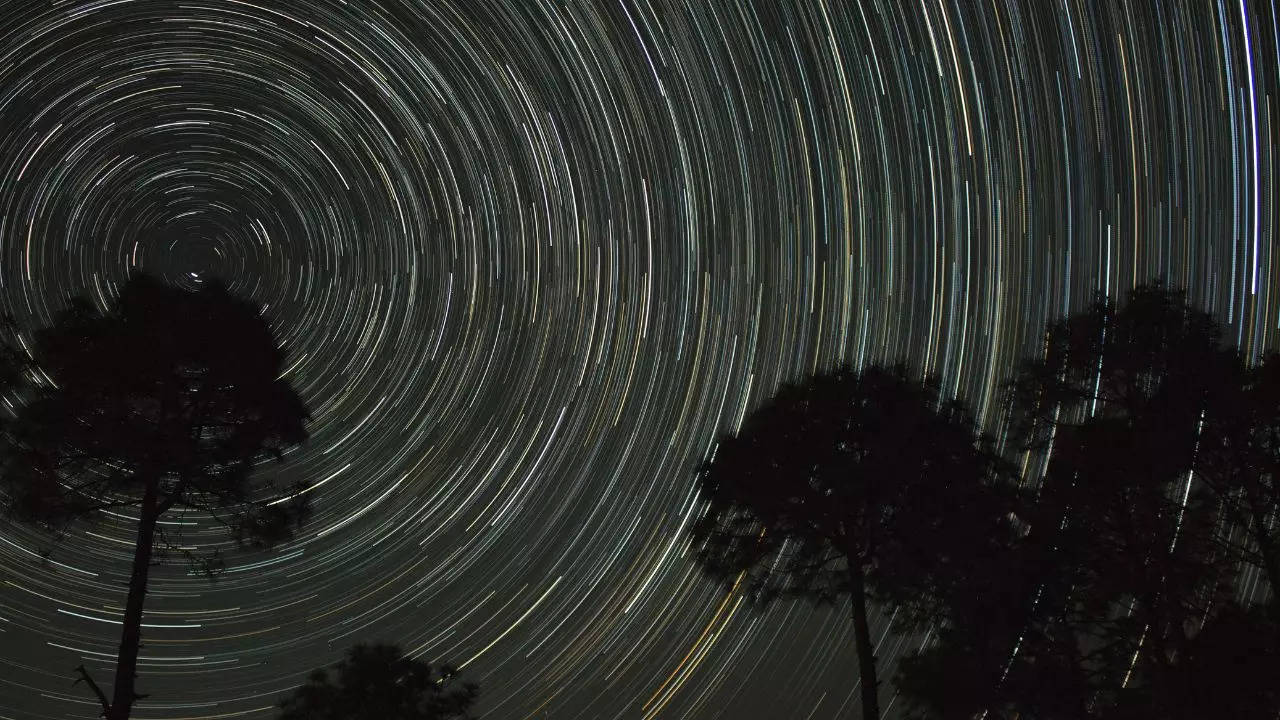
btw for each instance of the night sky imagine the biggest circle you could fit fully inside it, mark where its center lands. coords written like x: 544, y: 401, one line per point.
x: 530, y: 257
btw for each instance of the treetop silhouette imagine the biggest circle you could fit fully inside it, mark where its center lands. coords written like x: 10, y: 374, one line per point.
x: 1144, y: 439
x: 377, y: 682
x: 167, y: 400
x: 1155, y: 353
x: 866, y: 484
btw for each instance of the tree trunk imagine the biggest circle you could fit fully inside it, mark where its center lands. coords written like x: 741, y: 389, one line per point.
x: 131, y: 636
x: 862, y: 642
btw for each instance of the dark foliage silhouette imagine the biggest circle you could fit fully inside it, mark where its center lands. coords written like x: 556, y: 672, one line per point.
x: 377, y: 682
x: 1227, y: 669
x: 867, y: 485
x: 164, y: 403
x: 1241, y: 464
x: 1124, y: 532
x: 1119, y: 423
x: 970, y: 668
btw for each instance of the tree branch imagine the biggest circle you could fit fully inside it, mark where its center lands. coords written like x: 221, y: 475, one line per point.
x: 84, y: 675
x: 173, y: 496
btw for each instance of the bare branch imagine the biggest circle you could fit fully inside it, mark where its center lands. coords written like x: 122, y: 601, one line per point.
x: 102, y: 698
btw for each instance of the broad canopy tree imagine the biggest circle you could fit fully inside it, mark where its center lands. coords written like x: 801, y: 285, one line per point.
x: 866, y: 484
x: 1139, y: 432
x: 166, y: 401
x: 1123, y: 526
x: 377, y: 682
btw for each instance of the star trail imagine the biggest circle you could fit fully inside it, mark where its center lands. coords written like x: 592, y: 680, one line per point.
x: 530, y: 257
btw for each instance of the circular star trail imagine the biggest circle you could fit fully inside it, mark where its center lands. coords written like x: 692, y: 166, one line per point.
x: 530, y: 258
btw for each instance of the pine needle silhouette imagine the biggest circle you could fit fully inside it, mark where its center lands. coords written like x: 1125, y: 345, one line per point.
x: 1147, y: 447
x: 858, y: 484
x: 168, y: 400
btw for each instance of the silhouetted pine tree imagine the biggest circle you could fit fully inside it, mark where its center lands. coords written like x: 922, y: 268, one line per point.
x: 859, y: 484
x: 166, y: 401
x: 1121, y: 560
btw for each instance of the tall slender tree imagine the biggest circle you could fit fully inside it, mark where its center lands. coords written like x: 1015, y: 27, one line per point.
x: 866, y: 485
x: 165, y: 401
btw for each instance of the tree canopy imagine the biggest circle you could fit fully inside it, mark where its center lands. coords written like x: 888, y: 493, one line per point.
x: 859, y: 484
x: 1145, y: 444
x: 377, y: 682
x: 168, y: 399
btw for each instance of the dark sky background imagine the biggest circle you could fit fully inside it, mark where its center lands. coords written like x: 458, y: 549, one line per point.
x: 532, y: 256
